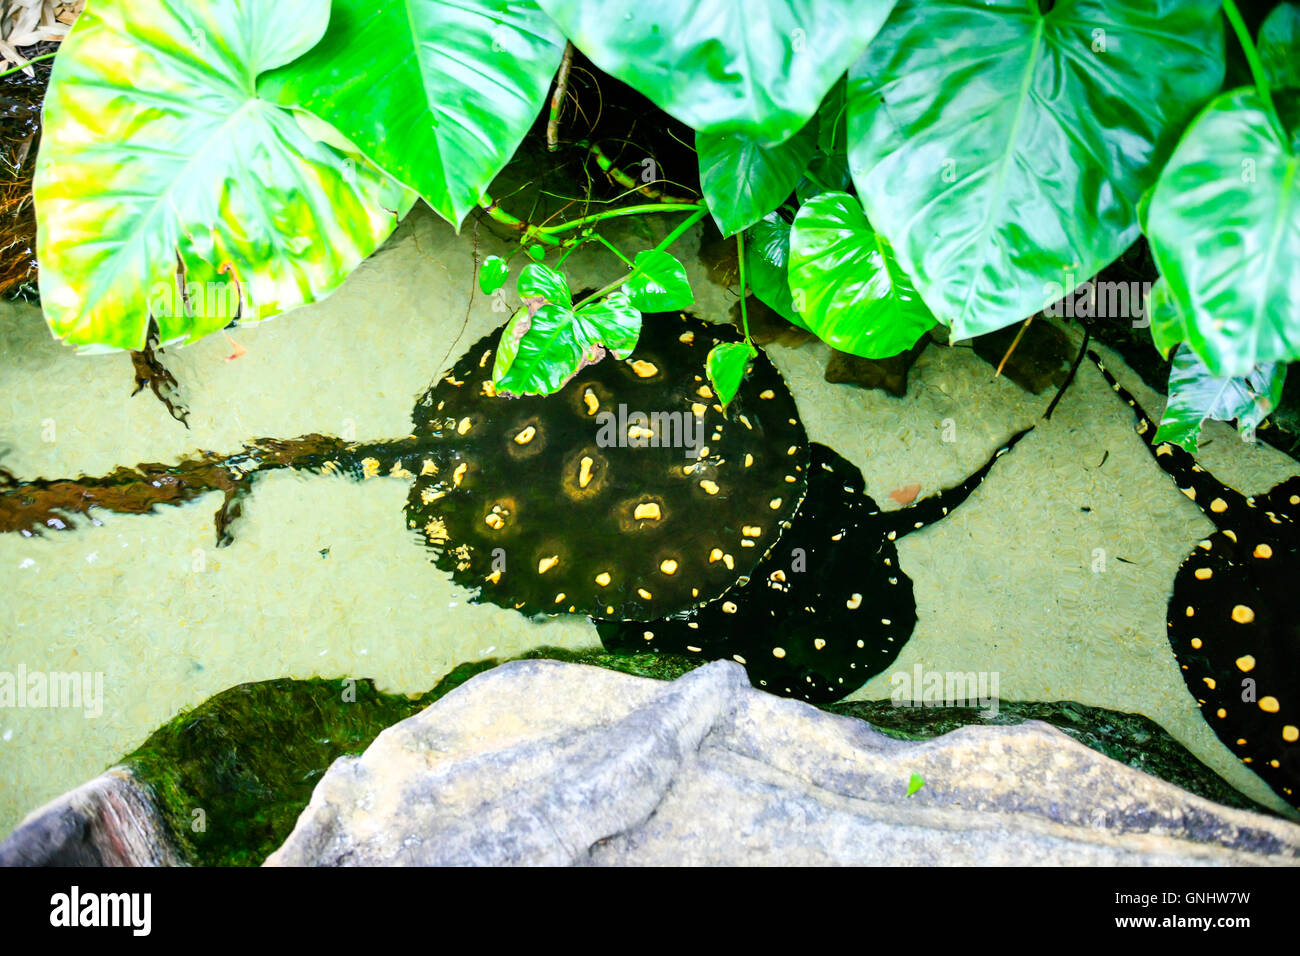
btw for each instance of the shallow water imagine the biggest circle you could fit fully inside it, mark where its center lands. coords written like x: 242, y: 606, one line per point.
x: 1005, y: 584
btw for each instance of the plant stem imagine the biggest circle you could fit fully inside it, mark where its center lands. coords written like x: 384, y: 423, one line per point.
x: 557, y: 100
x: 1256, y: 65
x: 23, y: 66
x: 744, y: 317
x: 700, y: 213
x: 611, y: 247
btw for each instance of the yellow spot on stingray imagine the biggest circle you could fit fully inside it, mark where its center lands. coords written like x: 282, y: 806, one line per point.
x: 1164, y: 450
x: 488, y: 389
x: 559, y: 597
x: 459, y: 474
x: 584, y: 471
x: 369, y: 467
x: 1291, y: 733
x: 749, y: 459
x: 819, y: 643
x: 1196, y: 643
x: 647, y: 511
x: 591, y: 401
x: 778, y: 652
x: 1189, y: 492
x: 1245, y: 663
x: 495, y: 522
x: 774, y: 504
x: 644, y: 369
x: 704, y: 391
x: 1218, y: 506
x: 1263, y: 551
x: 1220, y: 713
x: 710, y: 487
x: 644, y: 593
x: 686, y: 338
x: 792, y: 449
x: 751, y: 531
x: 668, y: 566
x: 546, y: 564
x: 1190, y: 612
x: 603, y: 579
x: 1205, y: 545
x: 1242, y: 614
x: 464, y: 426
x: 698, y: 409
x: 430, y: 495
x: 1203, y: 574
x: 428, y: 468
x: 1209, y: 682
x: 635, y: 432
x: 1269, y: 705
x: 1230, y: 535
x: 729, y: 561
x: 729, y: 607
x: 715, y: 555
x: 777, y: 575
x: 494, y: 577
x: 854, y: 602
x: 738, y: 659
x: 436, y: 530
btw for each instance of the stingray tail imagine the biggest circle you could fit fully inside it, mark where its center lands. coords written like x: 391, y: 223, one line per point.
x: 929, y: 510
x: 1217, y: 500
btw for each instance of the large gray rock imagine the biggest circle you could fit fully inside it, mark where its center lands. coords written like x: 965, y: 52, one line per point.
x: 109, y: 821
x: 538, y: 762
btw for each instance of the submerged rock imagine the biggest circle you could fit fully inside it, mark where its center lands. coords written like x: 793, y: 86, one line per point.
x: 545, y: 763
x: 888, y: 374
x: 112, y: 820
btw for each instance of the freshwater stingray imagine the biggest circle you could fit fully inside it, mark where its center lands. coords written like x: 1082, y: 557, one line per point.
x: 628, y: 493
x: 1234, y: 616
x: 829, y: 608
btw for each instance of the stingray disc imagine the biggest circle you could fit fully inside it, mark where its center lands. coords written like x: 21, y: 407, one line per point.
x: 826, y: 610
x: 627, y: 494
x: 1234, y: 625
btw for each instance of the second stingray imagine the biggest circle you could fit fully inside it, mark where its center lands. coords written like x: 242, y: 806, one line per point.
x: 828, y: 608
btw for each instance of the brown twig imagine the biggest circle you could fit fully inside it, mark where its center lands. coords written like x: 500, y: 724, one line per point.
x: 1012, y: 347
x: 557, y: 99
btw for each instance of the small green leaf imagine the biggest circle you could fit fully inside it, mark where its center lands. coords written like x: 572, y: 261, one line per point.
x: 612, y: 322
x: 1279, y: 46
x: 726, y: 365
x: 658, y: 283
x: 857, y: 298
x: 536, y: 252
x: 492, y: 274
x: 915, y: 784
x: 1168, y: 328
x: 544, y: 357
x: 767, y: 250
x: 743, y: 180
x: 1196, y: 395
x: 535, y: 279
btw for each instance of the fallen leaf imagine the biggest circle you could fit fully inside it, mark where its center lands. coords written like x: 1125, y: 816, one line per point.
x: 905, y: 495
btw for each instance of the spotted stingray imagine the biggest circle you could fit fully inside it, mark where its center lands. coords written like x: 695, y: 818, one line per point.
x: 1234, y: 617
x: 829, y: 608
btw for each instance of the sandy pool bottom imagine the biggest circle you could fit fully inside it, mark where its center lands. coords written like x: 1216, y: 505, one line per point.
x: 324, y: 579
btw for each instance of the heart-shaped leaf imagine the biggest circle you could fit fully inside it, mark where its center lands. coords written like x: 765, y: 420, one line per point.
x: 438, y: 93
x: 856, y: 296
x: 536, y: 279
x: 613, y: 322
x: 1224, y: 225
x: 160, y: 147
x: 1196, y: 394
x: 538, y: 354
x: 767, y: 253
x: 492, y: 274
x: 744, y: 180
x: 726, y: 366
x: 758, y: 67
x: 658, y: 283
x: 997, y: 147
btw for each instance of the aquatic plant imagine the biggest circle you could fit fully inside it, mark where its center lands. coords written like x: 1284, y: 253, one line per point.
x: 892, y: 164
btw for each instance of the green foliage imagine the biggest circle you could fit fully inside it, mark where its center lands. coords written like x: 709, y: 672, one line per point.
x: 857, y: 298
x: 997, y: 147
x: 459, y: 83
x: 1196, y: 394
x: 658, y: 282
x: 743, y: 180
x: 767, y: 255
x: 756, y: 67
x: 492, y: 274
x: 1279, y: 46
x: 726, y: 365
x: 160, y: 146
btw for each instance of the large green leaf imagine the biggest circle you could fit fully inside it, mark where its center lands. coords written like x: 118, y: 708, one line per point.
x: 1279, y: 46
x: 1196, y: 394
x: 757, y: 67
x: 658, y: 283
x: 438, y: 93
x: 767, y: 254
x: 726, y: 364
x: 613, y: 322
x: 856, y: 296
x: 998, y: 148
x: 159, y: 146
x: 1224, y: 225
x: 743, y: 180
